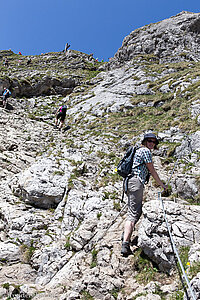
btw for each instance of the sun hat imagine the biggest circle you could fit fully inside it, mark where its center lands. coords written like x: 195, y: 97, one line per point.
x: 150, y: 136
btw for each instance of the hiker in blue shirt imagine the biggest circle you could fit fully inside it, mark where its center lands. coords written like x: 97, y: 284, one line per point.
x: 6, y: 62
x: 142, y: 166
x: 6, y: 94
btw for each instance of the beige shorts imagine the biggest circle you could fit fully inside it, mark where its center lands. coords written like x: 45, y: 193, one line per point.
x: 135, y: 197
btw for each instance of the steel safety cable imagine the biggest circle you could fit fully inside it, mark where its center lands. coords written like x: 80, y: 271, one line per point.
x: 175, y: 249
x: 167, y: 224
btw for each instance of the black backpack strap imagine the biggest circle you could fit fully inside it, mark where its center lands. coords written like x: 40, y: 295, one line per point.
x: 125, y: 183
x: 148, y: 175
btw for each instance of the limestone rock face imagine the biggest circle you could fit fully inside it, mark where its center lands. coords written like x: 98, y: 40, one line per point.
x: 61, y: 209
x: 186, y: 187
x: 195, y: 283
x: 184, y: 223
x: 9, y: 252
x: 164, y: 40
x: 44, y: 86
x: 39, y: 78
x: 42, y: 185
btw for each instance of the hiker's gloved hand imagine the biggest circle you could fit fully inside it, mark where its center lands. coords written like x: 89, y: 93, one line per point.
x: 165, y: 192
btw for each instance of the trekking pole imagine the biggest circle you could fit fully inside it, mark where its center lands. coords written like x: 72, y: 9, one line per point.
x: 123, y: 208
x: 110, y: 225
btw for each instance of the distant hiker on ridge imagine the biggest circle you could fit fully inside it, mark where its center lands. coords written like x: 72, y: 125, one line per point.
x: 90, y: 57
x: 28, y: 61
x: 142, y: 165
x: 6, y: 62
x: 60, y: 114
x: 66, y: 48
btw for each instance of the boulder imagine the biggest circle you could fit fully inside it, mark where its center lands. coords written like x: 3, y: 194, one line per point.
x: 9, y: 252
x: 195, y: 285
x: 153, y: 237
x: 42, y: 185
x: 185, y: 187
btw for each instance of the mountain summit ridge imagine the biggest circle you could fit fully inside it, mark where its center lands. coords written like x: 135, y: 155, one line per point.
x: 172, y: 40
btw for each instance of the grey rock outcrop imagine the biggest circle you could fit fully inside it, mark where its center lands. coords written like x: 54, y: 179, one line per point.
x: 153, y: 235
x: 42, y: 86
x: 174, y: 39
x: 43, y: 184
x: 9, y: 252
x: 194, y: 253
x: 186, y: 187
x: 24, y: 81
x: 195, y: 284
x: 59, y: 191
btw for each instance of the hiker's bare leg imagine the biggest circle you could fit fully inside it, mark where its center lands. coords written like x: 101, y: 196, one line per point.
x: 61, y: 124
x: 128, y: 229
x: 4, y: 104
x: 56, y: 121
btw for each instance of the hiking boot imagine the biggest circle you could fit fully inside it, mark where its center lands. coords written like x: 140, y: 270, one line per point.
x: 134, y: 241
x: 126, y: 251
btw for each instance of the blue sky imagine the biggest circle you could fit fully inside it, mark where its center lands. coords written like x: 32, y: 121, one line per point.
x: 90, y: 26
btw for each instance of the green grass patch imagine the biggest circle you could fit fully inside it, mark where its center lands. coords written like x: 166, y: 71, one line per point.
x: 94, y: 259
x: 146, y: 269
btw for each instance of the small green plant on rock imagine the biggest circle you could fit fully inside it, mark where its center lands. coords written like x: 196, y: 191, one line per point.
x: 94, y: 258
x: 67, y: 244
x: 59, y: 172
x: 86, y: 295
x: 183, y: 253
x: 115, y: 292
x: 194, y: 269
x: 6, y: 285
x: 178, y: 295
x: 106, y: 195
x: 27, y: 251
x: 99, y: 214
x: 139, y: 295
x: 146, y: 269
x: 116, y: 205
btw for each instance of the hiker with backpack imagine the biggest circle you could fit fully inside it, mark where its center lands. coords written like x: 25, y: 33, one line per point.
x: 142, y: 165
x: 6, y: 95
x: 60, y: 116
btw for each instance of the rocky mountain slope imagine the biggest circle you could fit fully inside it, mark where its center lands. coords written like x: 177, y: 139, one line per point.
x: 60, y: 220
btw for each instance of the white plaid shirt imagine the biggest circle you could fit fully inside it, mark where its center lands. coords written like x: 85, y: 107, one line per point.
x: 139, y: 168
